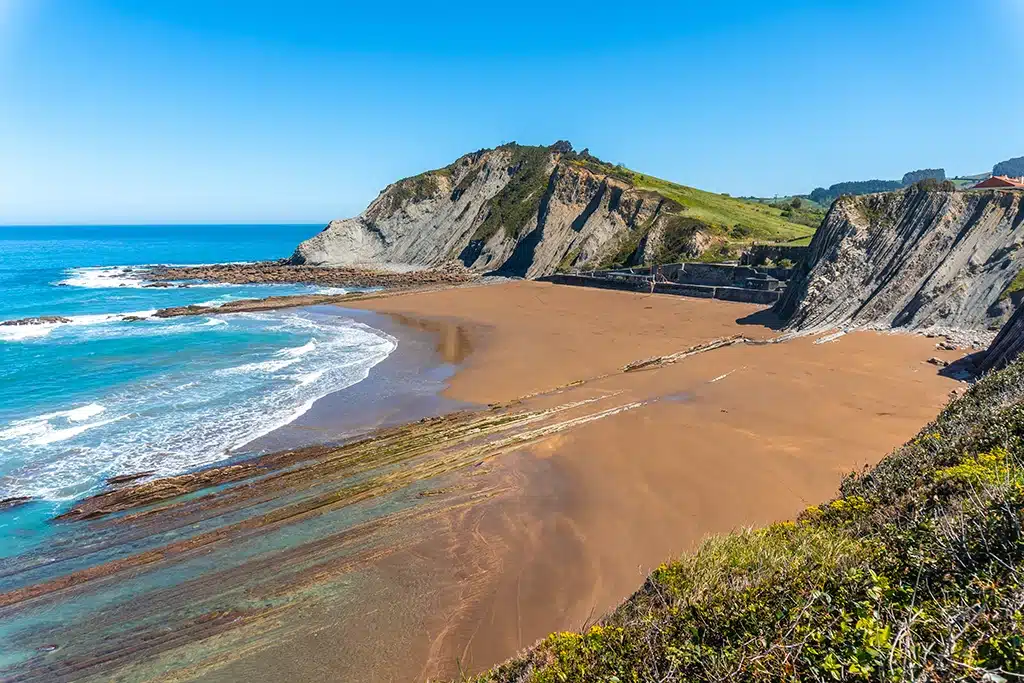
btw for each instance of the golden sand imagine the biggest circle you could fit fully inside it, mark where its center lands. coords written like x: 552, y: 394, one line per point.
x: 743, y: 435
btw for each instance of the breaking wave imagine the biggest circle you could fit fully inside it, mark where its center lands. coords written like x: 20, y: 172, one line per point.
x: 35, y: 330
x: 195, y: 412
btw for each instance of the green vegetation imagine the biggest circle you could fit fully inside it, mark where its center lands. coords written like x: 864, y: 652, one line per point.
x: 677, y: 239
x: 797, y: 211
x: 418, y: 187
x: 855, y: 187
x: 620, y: 256
x: 722, y: 213
x: 801, y: 242
x: 914, y: 573
x: 732, y: 222
x: 516, y: 205
x: 935, y: 185
x: 1016, y: 285
x: 465, y: 183
x: 567, y: 262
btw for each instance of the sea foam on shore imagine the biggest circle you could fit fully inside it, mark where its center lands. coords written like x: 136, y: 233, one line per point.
x: 181, y: 403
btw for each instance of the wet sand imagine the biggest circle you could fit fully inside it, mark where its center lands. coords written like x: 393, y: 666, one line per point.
x: 447, y: 545
x: 404, y: 387
x: 739, y: 436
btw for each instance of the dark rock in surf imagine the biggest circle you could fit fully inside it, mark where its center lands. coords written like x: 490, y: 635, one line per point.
x: 38, y: 320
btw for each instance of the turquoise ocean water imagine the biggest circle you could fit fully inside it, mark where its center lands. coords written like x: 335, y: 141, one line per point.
x: 96, y: 397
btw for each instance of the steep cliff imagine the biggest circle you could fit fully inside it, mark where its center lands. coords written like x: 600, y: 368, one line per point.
x: 1007, y: 345
x: 911, y: 259
x: 526, y: 211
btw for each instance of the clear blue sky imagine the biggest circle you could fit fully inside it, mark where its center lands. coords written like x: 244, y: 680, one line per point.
x: 295, y: 110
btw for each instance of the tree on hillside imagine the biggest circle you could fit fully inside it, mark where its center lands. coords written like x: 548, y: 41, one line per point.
x: 934, y: 185
x: 857, y: 187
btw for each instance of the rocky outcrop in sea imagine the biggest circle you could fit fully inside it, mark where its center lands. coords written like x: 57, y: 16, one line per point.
x: 277, y: 272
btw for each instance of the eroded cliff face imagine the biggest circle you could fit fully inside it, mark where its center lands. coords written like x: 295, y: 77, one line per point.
x: 911, y: 259
x: 513, y: 210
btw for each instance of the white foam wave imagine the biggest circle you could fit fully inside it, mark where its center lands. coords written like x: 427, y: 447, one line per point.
x: 267, y: 366
x: 298, y: 351
x: 109, y: 277
x: 308, y: 377
x: 83, y: 413
x: 189, y: 416
x: 54, y: 427
x: 51, y: 435
x: 14, y: 333
x: 102, y: 277
x: 37, y: 330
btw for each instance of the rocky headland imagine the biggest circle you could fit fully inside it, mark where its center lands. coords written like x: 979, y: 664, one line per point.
x: 914, y: 259
x: 531, y: 211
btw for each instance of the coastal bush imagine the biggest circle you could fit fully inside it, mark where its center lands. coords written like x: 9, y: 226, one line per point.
x: 624, y: 252
x: 825, y: 196
x: 719, y: 252
x: 915, y: 572
x: 1016, y: 285
x: 740, y: 232
x: 935, y: 185
x: 677, y: 239
x: 513, y: 208
x: 416, y: 188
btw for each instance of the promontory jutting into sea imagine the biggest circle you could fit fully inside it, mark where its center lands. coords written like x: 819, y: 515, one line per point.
x: 530, y: 413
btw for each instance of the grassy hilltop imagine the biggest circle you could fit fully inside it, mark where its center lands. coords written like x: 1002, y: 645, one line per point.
x: 755, y: 221
x: 914, y: 573
x: 733, y: 222
x: 730, y: 222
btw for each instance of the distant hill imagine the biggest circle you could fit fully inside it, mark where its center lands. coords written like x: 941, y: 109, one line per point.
x: 923, y: 174
x: 826, y: 196
x: 1011, y: 167
x: 855, y: 187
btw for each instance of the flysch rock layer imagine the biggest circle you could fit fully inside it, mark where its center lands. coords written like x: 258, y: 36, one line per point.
x: 911, y: 259
x: 513, y: 210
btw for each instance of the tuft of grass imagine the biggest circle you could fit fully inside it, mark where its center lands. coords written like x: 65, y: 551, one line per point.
x: 1016, y: 285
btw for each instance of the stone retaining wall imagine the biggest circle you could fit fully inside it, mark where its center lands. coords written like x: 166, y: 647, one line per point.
x: 757, y: 254
x: 639, y: 284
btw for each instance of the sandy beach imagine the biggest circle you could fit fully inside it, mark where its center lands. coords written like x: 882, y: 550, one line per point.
x: 739, y: 436
x: 446, y: 545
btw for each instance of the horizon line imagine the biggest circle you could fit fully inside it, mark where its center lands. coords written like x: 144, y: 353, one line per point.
x: 154, y: 225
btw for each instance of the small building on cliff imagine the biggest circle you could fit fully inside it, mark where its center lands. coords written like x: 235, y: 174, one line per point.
x: 1001, y: 181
